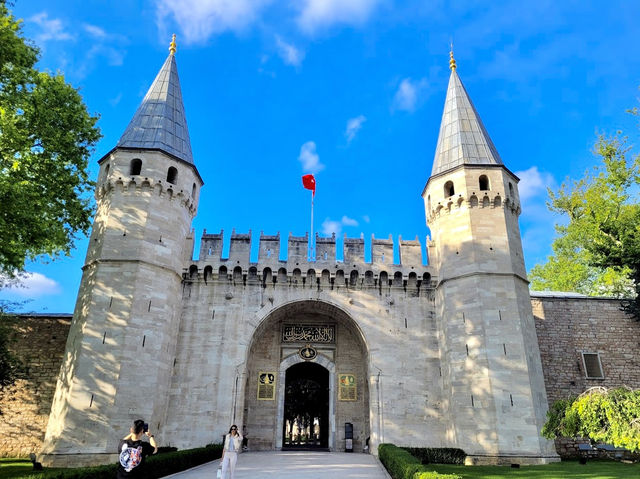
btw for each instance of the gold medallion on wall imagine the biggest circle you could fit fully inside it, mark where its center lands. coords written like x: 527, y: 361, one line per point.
x: 308, y: 353
x: 266, y: 385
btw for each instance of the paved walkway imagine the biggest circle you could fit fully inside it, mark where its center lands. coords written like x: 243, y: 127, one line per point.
x: 295, y: 464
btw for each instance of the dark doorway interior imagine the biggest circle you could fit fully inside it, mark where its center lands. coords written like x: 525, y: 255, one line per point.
x: 306, y: 407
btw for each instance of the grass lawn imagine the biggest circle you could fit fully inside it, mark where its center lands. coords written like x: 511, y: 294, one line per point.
x: 558, y: 470
x: 16, y: 468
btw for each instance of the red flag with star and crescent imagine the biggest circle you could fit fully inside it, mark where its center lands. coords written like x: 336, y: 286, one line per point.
x: 309, y: 182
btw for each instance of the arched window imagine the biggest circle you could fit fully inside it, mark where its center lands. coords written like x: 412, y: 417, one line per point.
x: 510, y: 190
x: 497, y: 201
x: 353, y: 278
x: 448, y: 189
x: 253, y: 274
x: 311, y: 277
x: 237, y: 273
x: 384, y: 279
x: 193, y: 271
x: 426, y: 279
x: 266, y: 276
x: 397, y: 279
x: 135, y: 167
x: 484, y: 183
x: 368, y: 277
x: 473, y: 201
x: 485, y: 202
x: 172, y: 175
x: 326, y: 276
x: 208, y: 271
x: 222, y: 272
x: 193, y: 191
x: 106, y: 169
x: 282, y: 276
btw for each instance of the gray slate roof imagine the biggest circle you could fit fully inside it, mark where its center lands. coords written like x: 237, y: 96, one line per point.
x: 463, y: 138
x: 160, y: 122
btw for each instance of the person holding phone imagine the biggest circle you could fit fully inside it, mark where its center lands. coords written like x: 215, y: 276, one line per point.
x: 232, y: 444
x: 133, y: 450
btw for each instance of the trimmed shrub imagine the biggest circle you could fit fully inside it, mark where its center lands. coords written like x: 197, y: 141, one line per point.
x: 437, y: 455
x: 402, y: 465
x: 156, y: 466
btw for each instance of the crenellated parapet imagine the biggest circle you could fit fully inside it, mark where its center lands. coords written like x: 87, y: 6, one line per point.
x: 141, y: 185
x: 297, y: 270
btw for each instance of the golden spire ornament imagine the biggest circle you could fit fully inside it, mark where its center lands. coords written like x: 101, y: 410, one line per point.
x: 172, y: 45
x: 452, y: 61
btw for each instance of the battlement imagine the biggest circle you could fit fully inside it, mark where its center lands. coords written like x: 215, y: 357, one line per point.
x: 270, y: 269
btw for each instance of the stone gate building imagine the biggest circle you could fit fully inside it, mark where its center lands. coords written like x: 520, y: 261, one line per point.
x: 444, y: 355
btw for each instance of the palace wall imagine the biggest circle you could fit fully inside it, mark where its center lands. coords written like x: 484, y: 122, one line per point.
x: 38, y: 341
x: 211, y: 342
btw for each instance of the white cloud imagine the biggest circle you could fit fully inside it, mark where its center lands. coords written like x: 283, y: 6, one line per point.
x: 408, y: 94
x: 52, y: 29
x: 331, y: 226
x: 34, y: 285
x: 349, y: 221
x: 353, y: 126
x: 534, y: 183
x: 95, y: 31
x: 199, y: 19
x: 309, y: 158
x: 317, y: 14
x: 290, y: 54
x: 366, y: 219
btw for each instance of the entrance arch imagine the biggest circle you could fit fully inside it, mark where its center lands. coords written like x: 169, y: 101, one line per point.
x: 320, y: 334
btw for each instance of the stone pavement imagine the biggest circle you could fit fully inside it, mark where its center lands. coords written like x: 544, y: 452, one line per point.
x: 295, y: 464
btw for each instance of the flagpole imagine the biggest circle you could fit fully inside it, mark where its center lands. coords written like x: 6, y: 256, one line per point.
x: 311, y: 249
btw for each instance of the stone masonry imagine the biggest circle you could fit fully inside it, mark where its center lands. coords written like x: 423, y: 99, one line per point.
x: 38, y: 343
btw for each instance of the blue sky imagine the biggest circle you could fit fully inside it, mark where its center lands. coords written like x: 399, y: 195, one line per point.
x: 351, y: 90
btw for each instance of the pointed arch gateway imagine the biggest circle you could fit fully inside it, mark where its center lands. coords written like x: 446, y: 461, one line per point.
x: 306, y: 376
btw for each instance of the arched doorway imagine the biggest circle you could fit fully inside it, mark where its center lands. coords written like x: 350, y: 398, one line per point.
x: 306, y: 407
x: 278, y: 353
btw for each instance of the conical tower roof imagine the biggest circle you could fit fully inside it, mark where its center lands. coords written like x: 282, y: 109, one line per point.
x: 160, y: 122
x: 463, y: 139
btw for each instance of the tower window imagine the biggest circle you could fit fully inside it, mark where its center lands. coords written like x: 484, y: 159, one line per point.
x: 136, y: 167
x: 193, y: 191
x: 448, y: 189
x: 510, y: 190
x: 172, y: 175
x: 106, y: 169
x: 484, y: 183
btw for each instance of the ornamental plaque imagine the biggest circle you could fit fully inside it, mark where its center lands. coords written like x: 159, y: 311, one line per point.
x: 266, y: 386
x: 292, y: 333
x: 347, y: 388
x: 307, y: 353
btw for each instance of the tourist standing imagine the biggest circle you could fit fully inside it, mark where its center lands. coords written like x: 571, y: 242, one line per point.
x: 232, y: 444
x: 132, y: 451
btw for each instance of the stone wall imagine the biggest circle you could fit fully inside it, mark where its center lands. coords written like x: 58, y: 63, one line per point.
x: 568, y: 326
x: 38, y: 341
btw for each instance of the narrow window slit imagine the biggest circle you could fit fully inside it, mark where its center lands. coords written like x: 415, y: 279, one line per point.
x: 213, y: 314
x: 110, y: 302
x: 144, y: 339
x: 104, y: 336
x: 467, y: 346
x: 91, y: 402
x: 464, y: 320
x: 149, y: 307
x: 472, y: 403
x: 405, y: 323
x: 504, y: 346
x: 511, y: 399
x: 175, y: 360
x: 500, y: 315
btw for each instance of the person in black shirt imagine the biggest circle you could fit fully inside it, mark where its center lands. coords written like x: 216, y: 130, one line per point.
x: 133, y: 450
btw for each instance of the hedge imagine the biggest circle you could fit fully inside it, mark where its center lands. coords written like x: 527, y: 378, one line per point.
x: 437, y: 455
x: 156, y: 466
x: 402, y: 465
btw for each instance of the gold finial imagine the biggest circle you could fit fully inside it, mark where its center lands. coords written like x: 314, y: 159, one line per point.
x: 172, y: 45
x: 452, y: 61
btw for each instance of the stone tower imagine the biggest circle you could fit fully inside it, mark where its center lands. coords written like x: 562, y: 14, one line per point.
x: 121, y: 347
x: 491, y: 364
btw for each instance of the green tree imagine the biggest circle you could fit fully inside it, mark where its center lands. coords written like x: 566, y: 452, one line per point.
x: 46, y: 137
x: 597, y: 249
x: 602, y: 416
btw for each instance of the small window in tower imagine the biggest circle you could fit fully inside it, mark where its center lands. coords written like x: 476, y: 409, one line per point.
x: 106, y: 169
x: 172, y: 175
x: 193, y: 191
x: 510, y: 190
x: 484, y: 183
x: 448, y: 189
x: 429, y: 203
x: 135, y: 167
x: 592, y: 365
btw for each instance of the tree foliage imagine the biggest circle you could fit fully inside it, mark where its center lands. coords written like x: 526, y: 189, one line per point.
x: 46, y: 137
x: 603, y: 416
x: 597, y: 250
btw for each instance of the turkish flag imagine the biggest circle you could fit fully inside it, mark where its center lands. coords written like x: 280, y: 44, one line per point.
x: 309, y: 182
